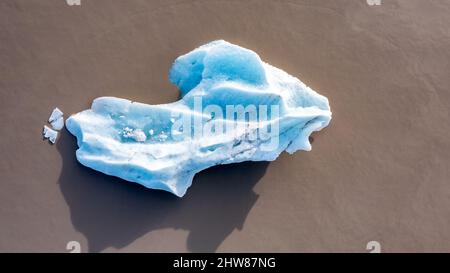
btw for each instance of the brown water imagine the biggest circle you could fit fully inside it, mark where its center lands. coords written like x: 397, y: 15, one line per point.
x: 380, y: 171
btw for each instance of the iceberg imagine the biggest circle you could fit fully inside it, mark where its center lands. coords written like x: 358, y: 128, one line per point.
x: 233, y: 108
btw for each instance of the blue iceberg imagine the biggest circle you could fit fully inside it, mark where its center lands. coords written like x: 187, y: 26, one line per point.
x: 234, y: 108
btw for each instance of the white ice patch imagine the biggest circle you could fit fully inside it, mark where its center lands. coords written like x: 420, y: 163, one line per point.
x: 139, y: 135
x: 136, y: 134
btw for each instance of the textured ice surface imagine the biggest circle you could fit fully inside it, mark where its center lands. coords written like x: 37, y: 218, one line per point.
x: 56, y: 119
x: 50, y: 134
x: 223, y: 87
x: 58, y: 124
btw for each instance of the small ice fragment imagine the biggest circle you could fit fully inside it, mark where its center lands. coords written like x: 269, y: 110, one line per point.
x: 58, y: 124
x: 151, y: 132
x: 172, y: 120
x: 56, y: 119
x: 50, y: 134
x: 139, y: 135
x: 56, y: 114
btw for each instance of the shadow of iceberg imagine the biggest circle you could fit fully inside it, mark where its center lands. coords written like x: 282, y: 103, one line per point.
x: 111, y: 212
